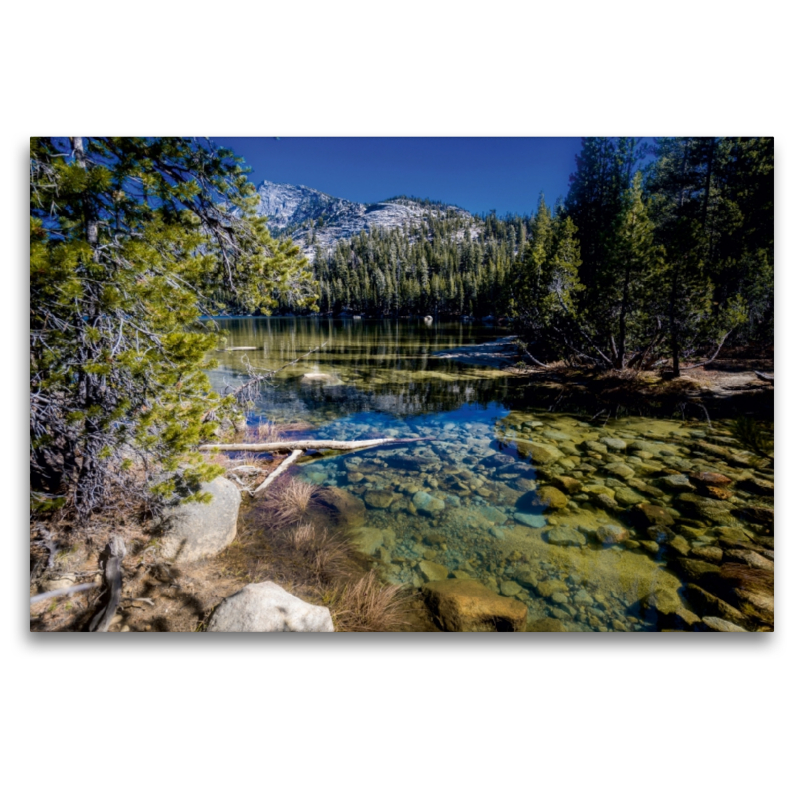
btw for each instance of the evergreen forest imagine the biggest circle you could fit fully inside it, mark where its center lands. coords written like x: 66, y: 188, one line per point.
x: 661, y: 251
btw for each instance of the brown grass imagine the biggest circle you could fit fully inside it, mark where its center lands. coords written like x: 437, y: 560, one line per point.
x: 265, y: 432
x: 294, y: 500
x: 325, y: 556
x: 302, y: 536
x: 367, y: 605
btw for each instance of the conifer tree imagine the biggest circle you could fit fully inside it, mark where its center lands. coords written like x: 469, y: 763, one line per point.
x: 130, y: 241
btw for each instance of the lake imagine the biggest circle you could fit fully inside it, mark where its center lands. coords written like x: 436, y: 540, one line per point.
x: 599, y: 519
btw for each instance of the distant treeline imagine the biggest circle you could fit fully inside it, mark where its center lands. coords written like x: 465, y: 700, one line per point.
x: 638, y: 264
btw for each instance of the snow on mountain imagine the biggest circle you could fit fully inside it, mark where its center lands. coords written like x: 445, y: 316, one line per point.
x: 297, y: 210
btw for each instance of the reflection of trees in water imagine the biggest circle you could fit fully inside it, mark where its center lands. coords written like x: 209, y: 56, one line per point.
x: 581, y: 402
x: 383, y: 365
x: 352, y: 345
x: 410, y: 399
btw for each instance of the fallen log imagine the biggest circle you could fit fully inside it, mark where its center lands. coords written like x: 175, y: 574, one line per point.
x: 309, y: 444
x: 276, y: 473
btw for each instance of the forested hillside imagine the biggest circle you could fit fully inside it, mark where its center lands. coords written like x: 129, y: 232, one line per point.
x: 447, y: 264
x: 659, y: 251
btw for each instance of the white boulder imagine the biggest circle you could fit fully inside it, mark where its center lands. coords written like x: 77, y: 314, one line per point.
x: 267, y: 608
x: 198, y: 530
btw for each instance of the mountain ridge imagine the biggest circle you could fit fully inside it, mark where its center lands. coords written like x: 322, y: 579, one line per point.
x: 313, y: 219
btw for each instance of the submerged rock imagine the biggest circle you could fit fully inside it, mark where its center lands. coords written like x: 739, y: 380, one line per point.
x: 622, y: 471
x: 605, y: 501
x: 531, y: 520
x: 568, y: 484
x: 627, y: 497
x: 611, y: 534
x: 761, y: 515
x: 378, y: 499
x: 546, y: 625
x: 722, y: 625
x: 267, y: 608
x: 712, y: 554
x: 539, y: 453
x: 493, y: 514
x: 715, y: 511
x: 428, y: 504
x: 757, y: 486
x: 647, y: 515
x: 709, y: 604
x: 758, y: 604
x: 369, y: 540
x: 591, y: 446
x: 351, y: 510
x: 551, y: 587
x: 752, y: 559
x: 467, y: 605
x: 566, y: 537
x: 700, y: 572
x: 665, y: 609
x: 678, y: 482
x: 432, y: 571
x: 710, y: 478
x: 550, y: 497
x: 510, y: 588
x: 320, y: 377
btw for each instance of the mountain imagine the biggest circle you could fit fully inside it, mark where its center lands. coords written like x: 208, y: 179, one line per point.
x: 315, y: 219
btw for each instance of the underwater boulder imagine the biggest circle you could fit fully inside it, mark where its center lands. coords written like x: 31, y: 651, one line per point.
x: 467, y: 605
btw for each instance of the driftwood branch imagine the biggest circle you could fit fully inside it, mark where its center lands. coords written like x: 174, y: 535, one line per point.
x: 309, y: 444
x: 267, y: 375
x: 716, y: 353
x: 115, y: 552
x: 525, y: 350
x: 81, y: 587
x: 765, y: 377
x: 276, y: 473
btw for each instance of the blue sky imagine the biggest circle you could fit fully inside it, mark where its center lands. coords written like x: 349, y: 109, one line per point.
x: 478, y: 174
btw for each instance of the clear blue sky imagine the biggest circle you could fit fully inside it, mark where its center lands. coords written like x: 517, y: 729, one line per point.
x: 478, y: 174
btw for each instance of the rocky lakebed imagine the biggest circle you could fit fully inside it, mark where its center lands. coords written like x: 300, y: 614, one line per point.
x: 635, y: 525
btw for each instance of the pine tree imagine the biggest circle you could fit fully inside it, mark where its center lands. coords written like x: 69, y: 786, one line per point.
x: 130, y: 240
x: 635, y: 259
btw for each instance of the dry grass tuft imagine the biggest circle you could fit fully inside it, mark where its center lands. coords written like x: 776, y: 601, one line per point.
x: 267, y: 431
x: 294, y: 501
x: 302, y: 536
x: 368, y: 605
x: 326, y: 557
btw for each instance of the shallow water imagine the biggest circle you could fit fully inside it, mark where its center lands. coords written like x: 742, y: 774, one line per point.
x: 602, y: 526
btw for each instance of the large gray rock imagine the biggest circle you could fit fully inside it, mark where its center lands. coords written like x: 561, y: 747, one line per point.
x: 267, y: 608
x: 197, y: 530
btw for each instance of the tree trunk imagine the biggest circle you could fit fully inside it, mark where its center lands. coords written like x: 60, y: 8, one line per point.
x: 114, y: 553
x: 623, y: 317
x: 673, y: 325
x: 308, y: 444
